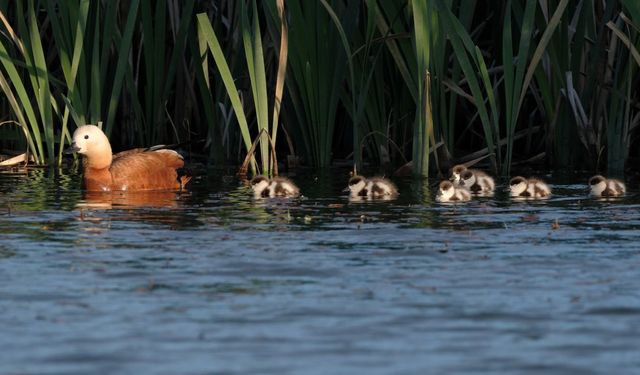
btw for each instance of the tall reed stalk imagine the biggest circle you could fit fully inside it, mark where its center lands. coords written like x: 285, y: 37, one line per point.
x: 25, y: 81
x: 624, y: 116
x: 518, y: 72
x: 317, y: 67
x: 552, y: 80
x: 252, y: 41
x: 412, y: 61
x: 83, y: 56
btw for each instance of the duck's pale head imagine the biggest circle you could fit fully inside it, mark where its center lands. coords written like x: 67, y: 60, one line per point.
x: 91, y: 142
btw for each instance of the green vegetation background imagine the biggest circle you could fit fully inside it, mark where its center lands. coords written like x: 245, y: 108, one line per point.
x: 416, y: 84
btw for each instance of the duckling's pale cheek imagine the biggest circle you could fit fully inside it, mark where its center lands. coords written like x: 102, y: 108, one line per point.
x: 444, y: 194
x: 260, y: 186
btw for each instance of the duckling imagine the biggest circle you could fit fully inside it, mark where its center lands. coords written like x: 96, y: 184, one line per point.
x: 139, y: 169
x: 260, y: 186
x: 606, y: 187
x: 371, y: 188
x: 448, y: 192
x: 477, y: 181
x: 531, y: 188
x: 276, y: 187
x: 538, y: 189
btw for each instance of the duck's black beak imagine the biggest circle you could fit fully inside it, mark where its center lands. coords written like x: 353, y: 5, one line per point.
x: 71, y: 149
x: 346, y: 190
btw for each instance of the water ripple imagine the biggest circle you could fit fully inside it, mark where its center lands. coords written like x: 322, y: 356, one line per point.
x: 212, y: 281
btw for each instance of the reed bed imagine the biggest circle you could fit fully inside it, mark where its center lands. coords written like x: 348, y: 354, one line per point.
x: 379, y: 82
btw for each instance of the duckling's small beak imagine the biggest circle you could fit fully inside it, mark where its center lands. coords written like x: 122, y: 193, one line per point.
x: 346, y: 190
x: 71, y: 149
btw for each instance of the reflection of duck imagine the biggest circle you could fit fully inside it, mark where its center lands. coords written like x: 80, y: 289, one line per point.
x: 275, y: 187
x: 475, y: 180
x: 606, y: 187
x: 373, y: 188
x: 130, y: 199
x: 531, y: 188
x: 132, y: 170
x: 448, y: 192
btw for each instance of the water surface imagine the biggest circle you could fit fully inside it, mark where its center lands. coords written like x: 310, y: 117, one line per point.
x: 213, y: 282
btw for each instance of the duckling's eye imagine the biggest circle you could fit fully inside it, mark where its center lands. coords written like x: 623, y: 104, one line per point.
x: 86, y: 136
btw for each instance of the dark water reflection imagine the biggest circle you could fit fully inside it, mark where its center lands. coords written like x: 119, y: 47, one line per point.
x: 211, y: 281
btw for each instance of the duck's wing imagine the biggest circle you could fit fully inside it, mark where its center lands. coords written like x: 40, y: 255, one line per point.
x: 128, y: 152
x: 146, y: 170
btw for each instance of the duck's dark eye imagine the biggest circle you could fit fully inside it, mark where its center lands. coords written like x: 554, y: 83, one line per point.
x: 86, y: 136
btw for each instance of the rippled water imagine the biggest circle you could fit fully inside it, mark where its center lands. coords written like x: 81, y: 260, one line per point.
x: 212, y: 282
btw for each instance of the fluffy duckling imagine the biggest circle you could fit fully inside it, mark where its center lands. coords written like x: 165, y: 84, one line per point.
x: 449, y: 192
x: 531, y: 188
x: 372, y: 188
x: 133, y: 170
x: 275, y: 187
x: 606, y: 187
x: 477, y: 181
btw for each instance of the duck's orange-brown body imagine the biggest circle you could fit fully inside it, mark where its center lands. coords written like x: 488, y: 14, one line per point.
x: 132, y: 170
x: 141, y: 170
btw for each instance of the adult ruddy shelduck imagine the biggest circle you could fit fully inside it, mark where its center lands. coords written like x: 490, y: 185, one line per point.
x: 133, y: 170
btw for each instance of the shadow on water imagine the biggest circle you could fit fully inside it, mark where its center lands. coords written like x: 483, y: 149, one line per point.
x: 213, y: 281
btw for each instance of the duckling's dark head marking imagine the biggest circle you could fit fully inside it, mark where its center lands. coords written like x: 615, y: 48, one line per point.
x: 458, y: 169
x: 446, y: 185
x: 517, y: 180
x: 596, y: 180
x: 258, y: 179
x: 355, y: 180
